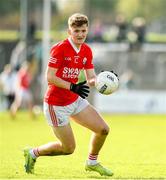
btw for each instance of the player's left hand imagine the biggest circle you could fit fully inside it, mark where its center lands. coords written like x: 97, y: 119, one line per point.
x: 81, y: 89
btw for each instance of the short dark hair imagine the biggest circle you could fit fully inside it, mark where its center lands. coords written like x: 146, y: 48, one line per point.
x: 78, y: 20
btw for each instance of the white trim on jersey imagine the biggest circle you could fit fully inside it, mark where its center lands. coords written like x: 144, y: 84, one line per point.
x: 53, y: 60
x: 74, y: 46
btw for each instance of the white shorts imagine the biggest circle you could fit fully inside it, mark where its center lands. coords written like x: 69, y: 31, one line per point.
x: 59, y: 115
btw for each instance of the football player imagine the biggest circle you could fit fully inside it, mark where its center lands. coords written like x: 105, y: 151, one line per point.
x: 65, y: 98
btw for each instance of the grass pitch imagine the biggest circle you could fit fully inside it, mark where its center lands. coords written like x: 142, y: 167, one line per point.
x: 134, y: 149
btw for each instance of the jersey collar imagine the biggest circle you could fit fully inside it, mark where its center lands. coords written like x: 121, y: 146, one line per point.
x: 77, y: 50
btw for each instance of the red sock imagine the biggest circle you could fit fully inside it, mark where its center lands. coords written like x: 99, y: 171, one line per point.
x: 92, y: 159
x: 34, y: 153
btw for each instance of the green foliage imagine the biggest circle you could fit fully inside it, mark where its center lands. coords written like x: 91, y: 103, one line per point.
x: 144, y: 8
x: 104, y: 9
x: 9, y: 35
x: 103, y: 6
x: 134, y: 149
x: 9, y: 6
x: 59, y: 35
x: 156, y: 38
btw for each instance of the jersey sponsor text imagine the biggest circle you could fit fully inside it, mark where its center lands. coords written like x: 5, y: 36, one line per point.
x: 70, y: 72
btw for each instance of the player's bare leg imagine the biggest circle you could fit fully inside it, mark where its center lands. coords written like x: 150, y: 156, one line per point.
x: 30, y: 106
x: 65, y: 146
x: 91, y: 119
x: 15, y: 106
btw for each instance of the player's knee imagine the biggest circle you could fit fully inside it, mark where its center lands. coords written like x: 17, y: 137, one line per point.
x: 105, y: 130
x: 69, y: 149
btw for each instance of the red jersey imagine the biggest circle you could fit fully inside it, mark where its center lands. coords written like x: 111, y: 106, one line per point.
x: 24, y: 79
x: 69, y: 61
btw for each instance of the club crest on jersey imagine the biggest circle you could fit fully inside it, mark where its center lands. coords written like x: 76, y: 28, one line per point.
x: 84, y: 60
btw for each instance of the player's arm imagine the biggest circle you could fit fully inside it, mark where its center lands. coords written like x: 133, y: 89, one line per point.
x: 81, y: 88
x: 90, y: 77
x: 53, y: 79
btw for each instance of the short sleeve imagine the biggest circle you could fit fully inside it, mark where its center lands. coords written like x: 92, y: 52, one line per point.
x: 56, y: 57
x: 89, y: 62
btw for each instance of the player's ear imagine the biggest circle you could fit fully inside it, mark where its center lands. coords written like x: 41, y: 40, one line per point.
x: 87, y: 30
x: 69, y: 31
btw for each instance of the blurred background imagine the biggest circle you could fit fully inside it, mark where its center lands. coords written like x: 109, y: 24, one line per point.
x: 128, y: 37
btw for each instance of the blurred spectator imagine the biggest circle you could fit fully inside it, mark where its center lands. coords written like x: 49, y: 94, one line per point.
x: 96, y: 34
x: 139, y: 27
x: 31, y: 31
x: 23, y: 95
x: 24, y: 47
x: 122, y: 28
x: 8, y: 85
x: 18, y: 55
x: 138, y: 32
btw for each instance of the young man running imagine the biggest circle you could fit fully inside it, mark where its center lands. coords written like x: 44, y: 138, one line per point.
x: 64, y: 98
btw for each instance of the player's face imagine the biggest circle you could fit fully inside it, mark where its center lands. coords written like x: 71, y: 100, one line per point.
x: 78, y: 34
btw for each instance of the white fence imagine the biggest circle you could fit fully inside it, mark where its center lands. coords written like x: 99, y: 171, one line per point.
x: 133, y: 101
x: 147, y: 64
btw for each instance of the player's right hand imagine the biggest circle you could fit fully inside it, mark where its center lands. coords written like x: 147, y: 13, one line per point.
x: 81, y: 89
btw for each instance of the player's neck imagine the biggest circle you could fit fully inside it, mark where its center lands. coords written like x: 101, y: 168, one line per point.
x: 75, y: 46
